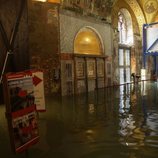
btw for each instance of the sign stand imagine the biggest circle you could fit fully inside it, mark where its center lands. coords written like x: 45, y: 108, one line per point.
x: 21, y: 96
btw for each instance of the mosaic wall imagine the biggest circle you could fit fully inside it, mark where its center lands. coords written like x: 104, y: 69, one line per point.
x: 150, y: 8
x: 115, y: 58
x: 44, y: 43
x: 96, y: 8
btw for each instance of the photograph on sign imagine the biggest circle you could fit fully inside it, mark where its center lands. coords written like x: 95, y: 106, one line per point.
x: 25, y: 130
x: 21, y: 93
x: 23, y: 126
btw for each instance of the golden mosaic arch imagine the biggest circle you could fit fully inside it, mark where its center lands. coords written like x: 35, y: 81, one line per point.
x: 87, y: 42
x: 138, y: 13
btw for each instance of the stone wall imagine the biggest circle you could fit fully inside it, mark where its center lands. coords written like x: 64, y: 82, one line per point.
x: 44, y: 42
x: 71, y: 23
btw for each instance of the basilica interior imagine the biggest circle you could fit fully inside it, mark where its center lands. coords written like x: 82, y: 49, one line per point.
x: 80, y: 45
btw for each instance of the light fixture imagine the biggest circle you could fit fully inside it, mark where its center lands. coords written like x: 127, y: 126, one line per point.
x: 87, y: 39
x: 40, y: 0
x: 54, y: 1
x: 51, y: 1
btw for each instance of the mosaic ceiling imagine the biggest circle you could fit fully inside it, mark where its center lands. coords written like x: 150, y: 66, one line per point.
x: 89, y: 7
x: 145, y: 10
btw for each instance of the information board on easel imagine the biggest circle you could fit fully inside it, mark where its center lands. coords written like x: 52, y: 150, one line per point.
x: 38, y: 86
x: 21, y: 110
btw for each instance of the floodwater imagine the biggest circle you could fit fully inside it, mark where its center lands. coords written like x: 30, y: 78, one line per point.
x: 120, y: 122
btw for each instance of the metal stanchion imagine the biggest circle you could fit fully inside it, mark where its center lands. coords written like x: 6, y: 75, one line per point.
x: 4, y: 66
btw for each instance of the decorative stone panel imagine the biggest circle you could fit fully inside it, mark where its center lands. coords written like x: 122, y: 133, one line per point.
x: 44, y: 43
x: 71, y: 24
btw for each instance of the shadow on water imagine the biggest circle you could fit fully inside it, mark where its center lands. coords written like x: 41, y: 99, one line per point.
x: 115, y: 122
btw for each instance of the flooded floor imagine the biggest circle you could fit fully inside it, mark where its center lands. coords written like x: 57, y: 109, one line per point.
x: 120, y: 122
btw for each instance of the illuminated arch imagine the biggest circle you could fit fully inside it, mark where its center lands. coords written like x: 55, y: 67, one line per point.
x: 134, y: 5
x: 138, y: 13
x: 87, y: 41
x: 125, y: 27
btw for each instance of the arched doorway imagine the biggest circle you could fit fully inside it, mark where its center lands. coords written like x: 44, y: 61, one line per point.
x: 89, y: 61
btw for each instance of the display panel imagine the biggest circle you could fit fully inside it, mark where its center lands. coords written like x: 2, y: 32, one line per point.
x: 38, y: 86
x: 91, y: 68
x: 100, y: 69
x: 80, y: 69
x: 23, y: 93
x: 150, y: 39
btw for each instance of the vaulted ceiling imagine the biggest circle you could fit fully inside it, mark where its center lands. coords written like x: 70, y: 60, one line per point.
x: 143, y: 11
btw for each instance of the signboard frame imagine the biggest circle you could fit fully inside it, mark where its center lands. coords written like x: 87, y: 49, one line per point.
x: 147, y: 50
x: 38, y: 83
x: 21, y: 110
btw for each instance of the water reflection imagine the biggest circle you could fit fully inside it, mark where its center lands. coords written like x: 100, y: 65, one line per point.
x: 138, y: 121
x: 112, y: 122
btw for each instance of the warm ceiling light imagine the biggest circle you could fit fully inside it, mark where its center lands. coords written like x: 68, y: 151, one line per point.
x: 52, y: 1
x: 87, y: 39
x: 40, y: 0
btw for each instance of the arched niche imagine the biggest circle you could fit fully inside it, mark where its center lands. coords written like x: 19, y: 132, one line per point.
x: 135, y: 10
x: 125, y: 27
x: 87, y: 42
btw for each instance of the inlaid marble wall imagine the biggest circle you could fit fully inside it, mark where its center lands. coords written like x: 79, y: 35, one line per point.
x: 95, y: 8
x: 46, y: 37
x: 44, y: 43
x: 115, y: 58
x: 70, y: 25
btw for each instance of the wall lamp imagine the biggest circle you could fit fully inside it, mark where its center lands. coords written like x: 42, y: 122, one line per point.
x: 52, y: 1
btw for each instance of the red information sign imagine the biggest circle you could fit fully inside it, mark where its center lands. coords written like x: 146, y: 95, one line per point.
x: 38, y: 86
x: 21, y: 110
